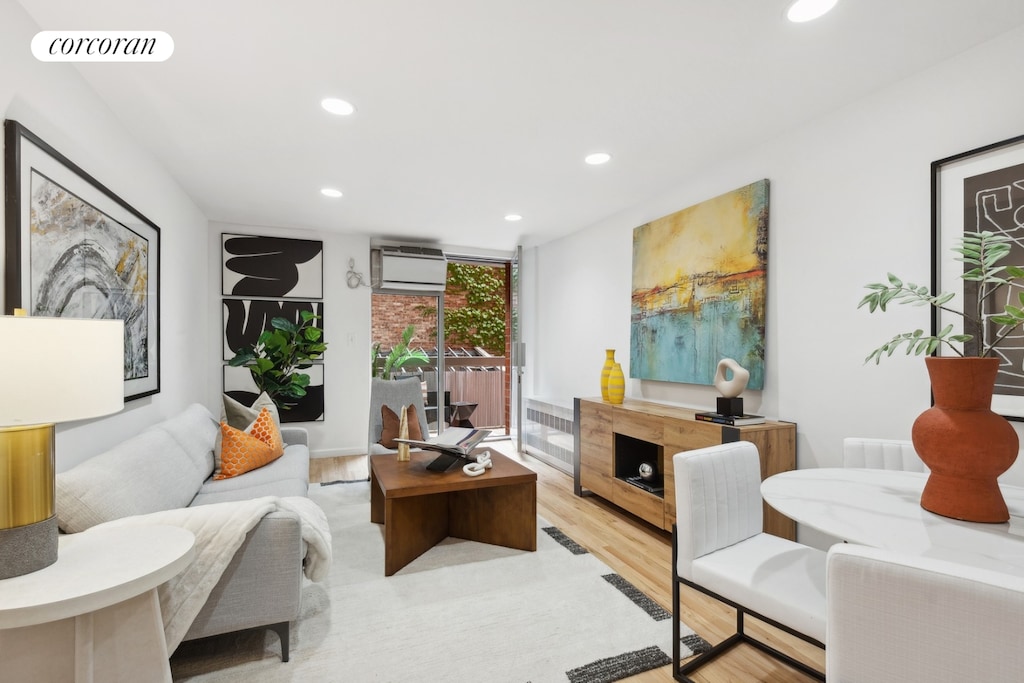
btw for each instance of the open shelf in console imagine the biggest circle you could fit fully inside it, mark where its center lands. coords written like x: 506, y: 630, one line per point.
x: 629, y: 453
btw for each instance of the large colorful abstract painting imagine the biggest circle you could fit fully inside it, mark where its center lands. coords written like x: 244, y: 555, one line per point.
x: 700, y: 289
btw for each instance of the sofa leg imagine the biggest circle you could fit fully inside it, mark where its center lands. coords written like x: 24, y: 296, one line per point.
x: 282, y: 632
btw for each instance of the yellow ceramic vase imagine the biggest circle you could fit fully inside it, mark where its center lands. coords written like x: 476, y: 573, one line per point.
x: 609, y: 362
x: 616, y: 385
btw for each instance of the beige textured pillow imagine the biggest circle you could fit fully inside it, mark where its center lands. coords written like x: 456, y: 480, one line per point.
x: 240, y: 416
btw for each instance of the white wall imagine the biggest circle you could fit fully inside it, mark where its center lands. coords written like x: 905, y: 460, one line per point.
x: 849, y: 201
x: 346, y: 330
x: 54, y: 102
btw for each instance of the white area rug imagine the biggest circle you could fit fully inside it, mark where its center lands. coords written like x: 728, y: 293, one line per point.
x: 463, y: 611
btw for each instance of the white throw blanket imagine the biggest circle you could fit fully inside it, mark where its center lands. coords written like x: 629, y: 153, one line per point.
x: 220, y: 530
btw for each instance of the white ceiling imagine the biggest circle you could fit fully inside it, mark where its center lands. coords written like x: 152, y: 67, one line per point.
x: 471, y: 109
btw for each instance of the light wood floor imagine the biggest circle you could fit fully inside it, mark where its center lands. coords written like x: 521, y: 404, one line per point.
x: 642, y: 554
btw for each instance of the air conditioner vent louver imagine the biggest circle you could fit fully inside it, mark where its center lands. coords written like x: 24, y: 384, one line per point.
x: 408, y: 269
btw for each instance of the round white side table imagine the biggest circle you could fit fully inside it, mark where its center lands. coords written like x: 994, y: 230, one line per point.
x: 94, y: 615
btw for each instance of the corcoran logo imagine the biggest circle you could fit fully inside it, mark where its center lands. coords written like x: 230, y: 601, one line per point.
x: 102, y: 46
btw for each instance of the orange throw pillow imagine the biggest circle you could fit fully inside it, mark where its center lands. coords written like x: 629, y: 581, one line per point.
x: 246, y: 451
x: 391, y: 421
x: 265, y: 429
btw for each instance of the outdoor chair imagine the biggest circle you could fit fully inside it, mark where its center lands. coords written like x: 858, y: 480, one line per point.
x: 393, y: 393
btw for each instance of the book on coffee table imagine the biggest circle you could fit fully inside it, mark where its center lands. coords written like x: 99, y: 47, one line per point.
x: 459, y: 441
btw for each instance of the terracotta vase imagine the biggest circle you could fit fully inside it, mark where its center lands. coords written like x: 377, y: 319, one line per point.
x: 964, y: 443
x: 609, y: 361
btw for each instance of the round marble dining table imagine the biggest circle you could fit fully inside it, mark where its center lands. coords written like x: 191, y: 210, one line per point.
x: 882, y: 508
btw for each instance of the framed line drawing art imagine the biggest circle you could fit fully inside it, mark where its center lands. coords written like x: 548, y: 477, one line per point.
x: 74, y: 249
x: 271, y: 267
x: 976, y: 191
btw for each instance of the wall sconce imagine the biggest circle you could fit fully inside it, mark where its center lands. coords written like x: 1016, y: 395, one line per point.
x: 355, y: 278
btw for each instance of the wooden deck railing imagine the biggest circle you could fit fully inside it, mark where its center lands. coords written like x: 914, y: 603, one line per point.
x: 473, y: 379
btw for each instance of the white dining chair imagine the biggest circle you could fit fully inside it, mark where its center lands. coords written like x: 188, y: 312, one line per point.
x: 882, y: 454
x: 904, y: 619
x: 719, y: 548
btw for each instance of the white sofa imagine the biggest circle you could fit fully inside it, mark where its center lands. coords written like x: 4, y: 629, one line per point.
x: 170, y: 465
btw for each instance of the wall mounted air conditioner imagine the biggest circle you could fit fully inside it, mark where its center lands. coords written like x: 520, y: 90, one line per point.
x: 408, y: 269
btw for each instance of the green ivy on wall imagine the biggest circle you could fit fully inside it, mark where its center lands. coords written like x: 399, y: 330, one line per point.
x: 481, y: 320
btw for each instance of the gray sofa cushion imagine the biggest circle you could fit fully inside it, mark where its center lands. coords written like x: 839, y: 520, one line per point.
x: 279, y: 488
x: 285, y: 476
x: 158, y: 469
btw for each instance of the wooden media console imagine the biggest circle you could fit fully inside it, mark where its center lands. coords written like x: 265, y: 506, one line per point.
x: 612, y: 441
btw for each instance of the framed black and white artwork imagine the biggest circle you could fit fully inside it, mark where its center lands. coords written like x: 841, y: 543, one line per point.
x: 246, y: 319
x: 239, y: 385
x: 75, y: 249
x: 976, y: 191
x: 271, y: 267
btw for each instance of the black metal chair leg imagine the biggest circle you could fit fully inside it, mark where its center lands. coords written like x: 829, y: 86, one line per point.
x: 281, y: 630
x: 680, y: 671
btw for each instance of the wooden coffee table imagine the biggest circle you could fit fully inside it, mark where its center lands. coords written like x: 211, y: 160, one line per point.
x: 420, y: 508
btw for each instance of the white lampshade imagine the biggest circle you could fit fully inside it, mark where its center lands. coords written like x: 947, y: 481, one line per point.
x: 60, y: 369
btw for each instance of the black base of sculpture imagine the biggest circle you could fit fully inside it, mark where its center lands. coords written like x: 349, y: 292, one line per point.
x: 730, y: 406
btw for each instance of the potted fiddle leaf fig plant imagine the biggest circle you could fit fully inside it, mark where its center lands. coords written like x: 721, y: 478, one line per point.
x: 399, y: 357
x: 276, y: 359
x: 964, y: 443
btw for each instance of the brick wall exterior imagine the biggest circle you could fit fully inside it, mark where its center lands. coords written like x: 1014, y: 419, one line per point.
x: 392, y: 313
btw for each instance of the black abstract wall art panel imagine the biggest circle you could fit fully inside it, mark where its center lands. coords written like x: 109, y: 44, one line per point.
x: 239, y: 385
x: 246, y: 319
x: 272, y: 267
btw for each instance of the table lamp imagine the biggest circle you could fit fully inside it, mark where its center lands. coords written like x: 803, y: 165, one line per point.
x: 55, y: 370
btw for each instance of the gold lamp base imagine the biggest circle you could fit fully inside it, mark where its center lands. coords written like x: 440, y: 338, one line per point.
x: 28, y: 526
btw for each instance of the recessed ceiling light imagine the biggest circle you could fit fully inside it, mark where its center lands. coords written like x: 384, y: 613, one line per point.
x: 808, y: 10
x: 513, y: 217
x: 598, y: 158
x: 336, y: 106
x: 330, y: 192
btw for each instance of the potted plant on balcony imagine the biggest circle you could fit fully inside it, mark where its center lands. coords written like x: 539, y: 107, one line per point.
x: 965, y: 444
x: 399, y: 357
x: 276, y: 359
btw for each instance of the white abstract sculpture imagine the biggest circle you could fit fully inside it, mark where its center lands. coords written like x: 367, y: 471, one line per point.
x: 731, y: 388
